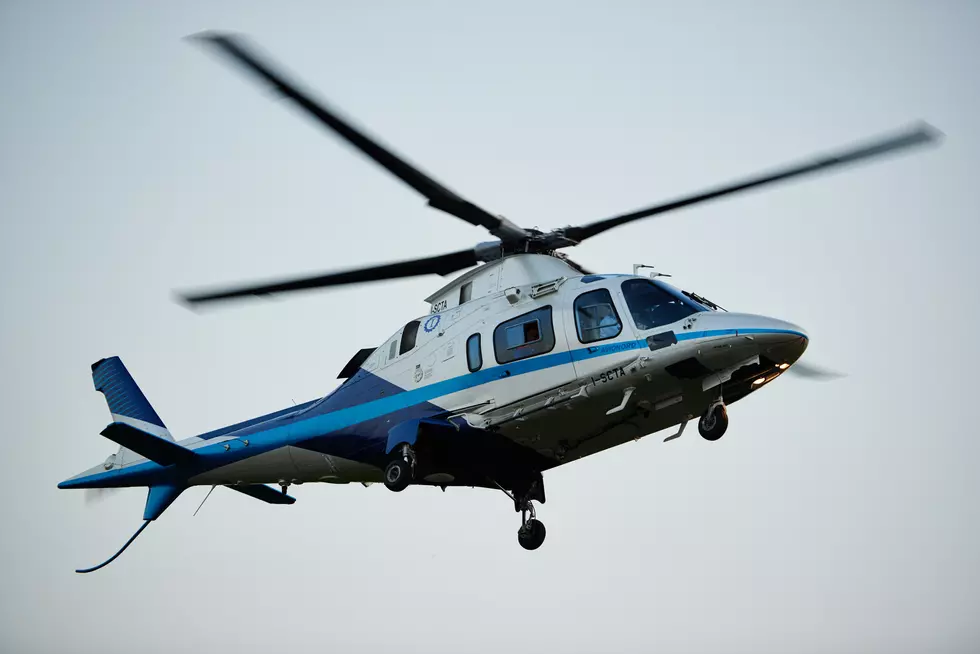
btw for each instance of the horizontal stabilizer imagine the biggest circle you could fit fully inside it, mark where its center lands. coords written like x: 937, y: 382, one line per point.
x: 154, y: 448
x: 264, y: 493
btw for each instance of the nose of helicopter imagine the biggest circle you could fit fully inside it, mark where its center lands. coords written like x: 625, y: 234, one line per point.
x: 771, y: 328
x: 781, y: 341
x: 778, y: 340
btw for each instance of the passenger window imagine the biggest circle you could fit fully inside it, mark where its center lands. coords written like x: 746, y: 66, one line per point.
x: 652, y: 306
x: 409, y: 334
x: 524, y: 336
x: 474, y: 353
x: 595, y: 316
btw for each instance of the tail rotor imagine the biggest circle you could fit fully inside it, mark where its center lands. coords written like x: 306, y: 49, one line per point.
x: 98, y: 495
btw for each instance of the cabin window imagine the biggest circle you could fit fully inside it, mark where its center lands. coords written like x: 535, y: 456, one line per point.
x: 466, y: 292
x: 524, y: 333
x: 474, y: 353
x: 652, y: 306
x: 595, y: 316
x: 524, y: 336
x: 409, y: 334
x: 393, y: 350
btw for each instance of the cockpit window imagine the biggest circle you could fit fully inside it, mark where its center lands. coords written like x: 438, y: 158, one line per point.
x: 595, y: 316
x: 652, y: 306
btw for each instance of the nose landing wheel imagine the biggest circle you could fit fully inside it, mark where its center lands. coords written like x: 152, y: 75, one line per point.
x: 714, y: 423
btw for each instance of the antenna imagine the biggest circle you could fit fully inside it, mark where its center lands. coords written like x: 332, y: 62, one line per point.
x: 639, y: 266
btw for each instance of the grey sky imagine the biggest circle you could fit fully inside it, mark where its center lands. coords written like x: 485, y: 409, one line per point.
x: 832, y: 517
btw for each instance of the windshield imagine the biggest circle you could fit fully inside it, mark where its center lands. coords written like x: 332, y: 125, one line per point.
x: 653, y: 305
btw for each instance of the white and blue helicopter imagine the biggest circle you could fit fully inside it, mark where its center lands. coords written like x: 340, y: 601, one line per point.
x: 523, y: 363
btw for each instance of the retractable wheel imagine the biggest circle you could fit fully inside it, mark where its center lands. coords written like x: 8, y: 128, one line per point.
x: 398, y: 475
x: 531, y: 534
x: 714, y: 422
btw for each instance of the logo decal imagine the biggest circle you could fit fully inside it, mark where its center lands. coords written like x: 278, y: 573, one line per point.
x: 418, y: 373
x: 431, y: 324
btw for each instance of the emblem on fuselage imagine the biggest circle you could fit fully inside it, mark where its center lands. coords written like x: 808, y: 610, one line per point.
x: 431, y: 324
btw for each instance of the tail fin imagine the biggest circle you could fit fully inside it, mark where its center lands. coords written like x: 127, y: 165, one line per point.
x: 126, y: 401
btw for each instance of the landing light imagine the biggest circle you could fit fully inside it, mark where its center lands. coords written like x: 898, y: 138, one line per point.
x: 760, y: 380
x: 783, y: 366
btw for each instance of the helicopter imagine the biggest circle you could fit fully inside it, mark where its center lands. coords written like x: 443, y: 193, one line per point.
x: 524, y: 362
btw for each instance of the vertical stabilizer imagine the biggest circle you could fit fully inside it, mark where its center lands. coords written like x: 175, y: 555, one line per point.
x: 127, y: 404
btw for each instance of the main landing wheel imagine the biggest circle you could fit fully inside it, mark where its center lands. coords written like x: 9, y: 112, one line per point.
x: 398, y: 475
x: 531, y: 534
x: 713, y: 423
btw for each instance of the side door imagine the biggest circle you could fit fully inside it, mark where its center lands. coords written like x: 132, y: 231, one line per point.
x: 526, y: 355
x: 599, y: 333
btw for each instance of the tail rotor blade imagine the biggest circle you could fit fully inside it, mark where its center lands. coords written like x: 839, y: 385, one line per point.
x: 99, y: 495
x: 814, y: 373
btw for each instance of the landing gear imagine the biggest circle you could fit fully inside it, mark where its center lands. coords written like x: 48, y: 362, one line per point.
x: 532, y: 532
x: 714, y: 422
x: 400, y: 470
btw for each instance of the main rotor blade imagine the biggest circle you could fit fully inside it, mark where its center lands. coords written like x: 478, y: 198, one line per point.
x: 239, y: 50
x: 443, y: 264
x: 919, y: 135
x: 577, y: 266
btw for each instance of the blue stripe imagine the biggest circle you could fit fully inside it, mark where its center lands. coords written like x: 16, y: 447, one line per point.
x: 772, y: 331
x: 290, y: 432
x: 240, y: 426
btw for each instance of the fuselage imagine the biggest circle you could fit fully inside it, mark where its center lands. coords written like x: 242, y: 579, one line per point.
x: 565, y: 368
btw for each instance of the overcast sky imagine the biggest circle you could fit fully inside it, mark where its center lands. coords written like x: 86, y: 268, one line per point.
x: 836, y: 517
